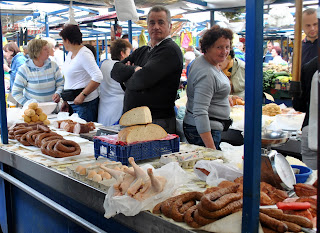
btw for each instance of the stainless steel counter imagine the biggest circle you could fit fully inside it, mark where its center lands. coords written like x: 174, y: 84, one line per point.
x: 80, y: 192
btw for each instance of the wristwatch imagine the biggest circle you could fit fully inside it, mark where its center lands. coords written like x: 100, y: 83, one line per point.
x: 85, y: 95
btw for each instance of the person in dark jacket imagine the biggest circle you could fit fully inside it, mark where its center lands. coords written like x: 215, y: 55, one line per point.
x: 152, y: 73
x: 15, y: 57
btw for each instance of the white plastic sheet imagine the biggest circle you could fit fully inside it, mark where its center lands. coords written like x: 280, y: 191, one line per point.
x: 129, y: 206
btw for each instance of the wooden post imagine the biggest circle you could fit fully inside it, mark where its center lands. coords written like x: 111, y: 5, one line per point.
x: 296, y: 64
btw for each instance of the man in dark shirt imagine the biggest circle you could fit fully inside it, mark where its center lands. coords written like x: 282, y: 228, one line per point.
x: 310, y: 28
x: 152, y: 73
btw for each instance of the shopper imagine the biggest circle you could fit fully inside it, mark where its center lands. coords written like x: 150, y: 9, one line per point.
x: 112, y: 92
x: 58, y: 55
x: 39, y: 78
x: 82, y: 76
x: 208, y: 88
x: 152, y: 73
x: 268, y: 56
x: 310, y: 28
x: 276, y: 54
x: 239, y: 51
x: 12, y: 54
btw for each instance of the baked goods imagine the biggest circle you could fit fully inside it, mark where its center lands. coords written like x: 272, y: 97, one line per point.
x: 140, y: 133
x: 34, y: 114
x: 271, y: 109
x: 136, y: 116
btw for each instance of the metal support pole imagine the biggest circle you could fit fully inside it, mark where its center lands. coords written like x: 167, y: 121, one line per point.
x: 253, y: 110
x: 130, y: 31
x: 47, y: 25
x: 3, y: 107
x: 53, y: 205
x: 211, y: 18
x: 106, y: 42
x: 97, y: 42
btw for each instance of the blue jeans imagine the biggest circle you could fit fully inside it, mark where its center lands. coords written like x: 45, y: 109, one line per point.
x: 87, y: 110
x: 193, y: 136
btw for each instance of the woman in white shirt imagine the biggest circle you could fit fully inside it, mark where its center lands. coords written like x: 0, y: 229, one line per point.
x: 82, y: 76
x: 277, y: 59
x: 111, y: 92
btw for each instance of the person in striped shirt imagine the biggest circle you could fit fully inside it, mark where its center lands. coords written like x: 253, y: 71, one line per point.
x: 39, y: 78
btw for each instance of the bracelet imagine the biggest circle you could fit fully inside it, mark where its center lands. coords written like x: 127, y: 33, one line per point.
x: 84, y: 94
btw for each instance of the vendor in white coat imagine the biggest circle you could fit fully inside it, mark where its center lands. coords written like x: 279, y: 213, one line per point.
x: 112, y: 92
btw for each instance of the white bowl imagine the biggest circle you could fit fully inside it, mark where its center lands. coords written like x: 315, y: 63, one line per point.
x: 47, y: 107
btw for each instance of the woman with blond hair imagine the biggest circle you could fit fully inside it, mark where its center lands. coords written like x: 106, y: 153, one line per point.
x: 39, y: 78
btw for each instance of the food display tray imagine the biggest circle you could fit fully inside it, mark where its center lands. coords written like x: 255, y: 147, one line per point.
x: 139, y: 151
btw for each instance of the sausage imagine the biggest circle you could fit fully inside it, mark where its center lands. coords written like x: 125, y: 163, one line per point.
x: 29, y: 137
x: 167, y: 206
x: 305, y: 190
x: 211, y: 190
x: 23, y: 140
x: 69, y: 126
x: 22, y: 131
x: 50, y: 146
x: 43, y: 128
x: 272, y: 223
x: 268, y: 230
x: 41, y: 136
x: 292, y: 227
x: 189, y: 217
x: 66, y: 143
x: 91, y: 125
x: 207, y: 200
x: 300, y: 220
x: 68, y: 148
x: 278, y: 214
x: 175, y: 213
x: 57, y: 124
x: 200, y: 219
x: 186, y: 206
x: 228, y: 209
x: 81, y: 128
x: 222, y: 201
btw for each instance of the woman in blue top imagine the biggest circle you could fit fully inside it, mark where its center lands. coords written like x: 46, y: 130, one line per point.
x: 13, y: 55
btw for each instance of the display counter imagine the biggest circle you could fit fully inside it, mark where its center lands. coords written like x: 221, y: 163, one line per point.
x: 26, y: 212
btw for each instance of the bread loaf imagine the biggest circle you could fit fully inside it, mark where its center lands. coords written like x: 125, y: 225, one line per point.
x: 140, y: 133
x: 136, y: 116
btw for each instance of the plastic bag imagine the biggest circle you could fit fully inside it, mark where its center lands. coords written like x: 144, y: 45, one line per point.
x: 218, y: 172
x: 126, y: 10
x: 26, y: 104
x: 74, y: 117
x: 129, y: 206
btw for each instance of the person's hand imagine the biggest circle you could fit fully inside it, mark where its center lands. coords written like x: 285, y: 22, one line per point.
x: 6, y: 68
x: 137, y: 68
x: 56, y: 98
x: 64, y: 107
x: 79, y: 99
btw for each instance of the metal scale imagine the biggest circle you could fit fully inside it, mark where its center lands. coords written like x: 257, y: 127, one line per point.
x: 275, y: 169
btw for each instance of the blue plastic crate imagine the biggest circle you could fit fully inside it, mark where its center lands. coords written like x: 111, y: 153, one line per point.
x: 138, y: 151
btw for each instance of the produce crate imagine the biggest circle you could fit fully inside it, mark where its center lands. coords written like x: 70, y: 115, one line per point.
x: 281, y: 86
x: 139, y: 151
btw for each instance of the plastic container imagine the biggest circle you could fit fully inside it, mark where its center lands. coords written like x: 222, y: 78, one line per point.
x: 139, y: 151
x: 304, y: 173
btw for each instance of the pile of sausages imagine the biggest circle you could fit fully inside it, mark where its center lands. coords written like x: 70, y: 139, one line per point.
x: 274, y: 220
x: 41, y: 136
x: 74, y: 127
x: 198, y: 209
